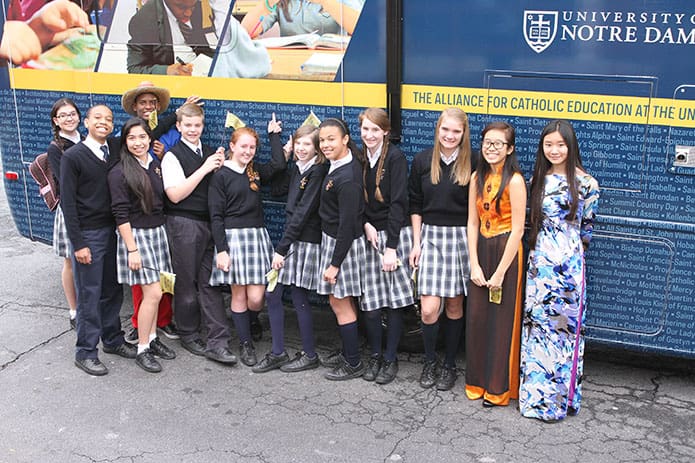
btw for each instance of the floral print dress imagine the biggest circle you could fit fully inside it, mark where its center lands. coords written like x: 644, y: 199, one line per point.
x: 552, y: 344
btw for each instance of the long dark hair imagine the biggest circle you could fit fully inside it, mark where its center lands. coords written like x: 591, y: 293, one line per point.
x: 511, y: 163
x: 135, y: 176
x: 378, y: 117
x: 342, y: 126
x: 540, y: 170
x: 54, y: 113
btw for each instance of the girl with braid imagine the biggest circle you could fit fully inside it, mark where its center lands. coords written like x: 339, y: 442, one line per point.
x: 387, y: 283
x: 243, y: 250
x: 65, y: 119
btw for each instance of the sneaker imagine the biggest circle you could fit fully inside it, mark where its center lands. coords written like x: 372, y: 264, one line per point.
x: 345, y: 371
x: 430, y: 373
x: 195, y: 347
x: 132, y: 336
x: 447, y: 378
x: 169, y: 331
x: 124, y: 350
x: 373, y: 367
x: 161, y: 350
x: 271, y: 362
x: 301, y: 362
x: 388, y: 372
x: 333, y: 359
x: 247, y: 354
x: 147, y: 362
x: 256, y: 330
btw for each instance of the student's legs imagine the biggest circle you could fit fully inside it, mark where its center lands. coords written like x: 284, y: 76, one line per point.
x: 374, y: 328
x: 211, y: 300
x: 300, y: 300
x: 69, y: 284
x: 164, y: 313
x: 429, y: 308
x: 393, y: 333
x: 346, y: 315
x: 454, y: 326
x: 147, y: 315
x: 276, y: 315
x: 240, y: 313
x: 136, y: 292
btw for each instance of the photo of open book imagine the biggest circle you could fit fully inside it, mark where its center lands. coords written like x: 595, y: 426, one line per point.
x: 322, y: 63
x: 311, y: 40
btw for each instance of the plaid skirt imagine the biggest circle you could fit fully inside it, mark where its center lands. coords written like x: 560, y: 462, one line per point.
x: 153, y: 247
x: 61, y: 243
x: 388, y: 289
x: 349, y: 281
x: 250, y: 251
x: 444, y: 268
x: 301, y: 266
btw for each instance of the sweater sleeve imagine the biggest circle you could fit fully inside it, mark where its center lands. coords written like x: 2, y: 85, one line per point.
x: 69, y: 172
x: 398, y: 207
x: 277, y: 160
x: 308, y: 203
x: 120, y: 201
x: 415, y: 186
x: 349, y: 201
x: 54, y: 155
x: 217, y: 206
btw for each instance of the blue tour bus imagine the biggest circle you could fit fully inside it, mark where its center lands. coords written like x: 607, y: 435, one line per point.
x: 621, y: 71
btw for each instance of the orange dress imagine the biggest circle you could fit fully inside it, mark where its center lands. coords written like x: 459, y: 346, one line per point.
x: 493, y: 330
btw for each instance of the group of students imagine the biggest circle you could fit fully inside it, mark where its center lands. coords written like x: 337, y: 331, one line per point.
x: 359, y: 229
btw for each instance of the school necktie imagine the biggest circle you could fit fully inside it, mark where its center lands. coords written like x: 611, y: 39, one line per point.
x: 187, y: 32
x: 105, y: 150
x: 198, y: 152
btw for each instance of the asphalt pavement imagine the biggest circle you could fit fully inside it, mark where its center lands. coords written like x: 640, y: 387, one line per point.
x: 636, y: 408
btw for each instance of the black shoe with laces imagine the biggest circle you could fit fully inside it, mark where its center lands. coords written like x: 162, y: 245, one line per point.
x: 301, y: 362
x: 159, y: 349
x: 169, y: 331
x: 124, y: 350
x: 447, y: 378
x: 271, y: 362
x: 332, y: 359
x: 373, y: 367
x: 388, y: 372
x: 132, y: 336
x: 195, y: 347
x: 345, y: 371
x: 247, y: 354
x: 430, y: 373
x: 147, y: 362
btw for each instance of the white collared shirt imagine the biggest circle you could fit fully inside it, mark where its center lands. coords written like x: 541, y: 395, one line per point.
x: 95, y: 147
x: 181, y: 50
x: 304, y: 166
x: 375, y: 158
x: 340, y: 162
x: 234, y: 166
x: 73, y: 138
x: 145, y: 165
x: 172, y: 172
x: 450, y: 159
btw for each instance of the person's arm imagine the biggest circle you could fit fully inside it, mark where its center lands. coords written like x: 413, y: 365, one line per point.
x: 344, y: 15
x: 69, y: 174
x: 54, y: 155
x: 253, y: 20
x: 308, y: 203
x: 517, y: 197
x: 472, y: 231
x: 179, y: 192
x: 416, y: 198
x: 349, y: 197
x: 398, y: 206
x: 589, y: 212
x: 54, y: 17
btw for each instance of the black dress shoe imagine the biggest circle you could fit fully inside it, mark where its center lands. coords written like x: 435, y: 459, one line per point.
x: 271, y: 362
x: 345, y: 371
x: 124, y: 350
x: 256, y: 330
x: 430, y: 372
x: 147, y: 362
x: 131, y: 336
x: 373, y: 367
x: 300, y: 362
x: 447, y: 378
x: 221, y: 355
x: 247, y: 354
x: 195, y: 347
x: 169, y: 331
x: 91, y: 366
x: 388, y: 372
x: 488, y: 404
x: 332, y: 359
x: 161, y: 350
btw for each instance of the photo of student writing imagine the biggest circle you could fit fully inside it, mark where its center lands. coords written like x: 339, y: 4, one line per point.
x: 303, y: 16
x: 168, y: 36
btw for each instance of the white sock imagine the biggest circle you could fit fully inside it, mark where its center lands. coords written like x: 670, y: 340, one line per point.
x: 153, y: 336
x: 73, y: 314
x: 142, y: 348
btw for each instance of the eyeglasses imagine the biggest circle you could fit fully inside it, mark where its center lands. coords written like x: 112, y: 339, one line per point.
x: 498, y: 144
x: 63, y: 116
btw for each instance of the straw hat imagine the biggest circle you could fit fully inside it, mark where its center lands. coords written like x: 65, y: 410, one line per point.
x: 146, y: 86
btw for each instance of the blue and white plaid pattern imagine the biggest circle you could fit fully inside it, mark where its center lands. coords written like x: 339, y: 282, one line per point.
x: 250, y: 251
x: 301, y: 265
x: 444, y: 264
x: 61, y: 243
x: 349, y: 282
x: 153, y: 247
x: 388, y: 289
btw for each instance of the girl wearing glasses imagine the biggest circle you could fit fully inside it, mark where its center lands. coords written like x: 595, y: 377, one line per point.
x: 564, y: 200
x: 438, y: 188
x: 496, y: 214
x: 65, y: 119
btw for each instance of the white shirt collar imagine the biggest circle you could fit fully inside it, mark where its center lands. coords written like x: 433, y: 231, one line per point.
x: 304, y: 166
x: 95, y: 147
x: 341, y: 162
x: 145, y: 165
x: 73, y: 138
x: 192, y: 146
x: 450, y: 159
x: 234, y: 166
x: 374, y: 159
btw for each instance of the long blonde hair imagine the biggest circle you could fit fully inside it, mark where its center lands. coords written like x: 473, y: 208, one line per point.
x: 461, y: 173
x: 378, y: 117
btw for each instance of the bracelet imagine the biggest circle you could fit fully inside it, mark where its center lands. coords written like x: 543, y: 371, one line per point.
x: 134, y: 250
x: 269, y: 8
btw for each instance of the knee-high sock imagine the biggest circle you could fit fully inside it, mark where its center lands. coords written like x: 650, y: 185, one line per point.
x: 242, y: 325
x: 300, y: 300
x: 429, y: 338
x: 453, y: 336
x: 276, y: 316
x: 393, y: 333
x: 351, y: 343
x: 372, y: 320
